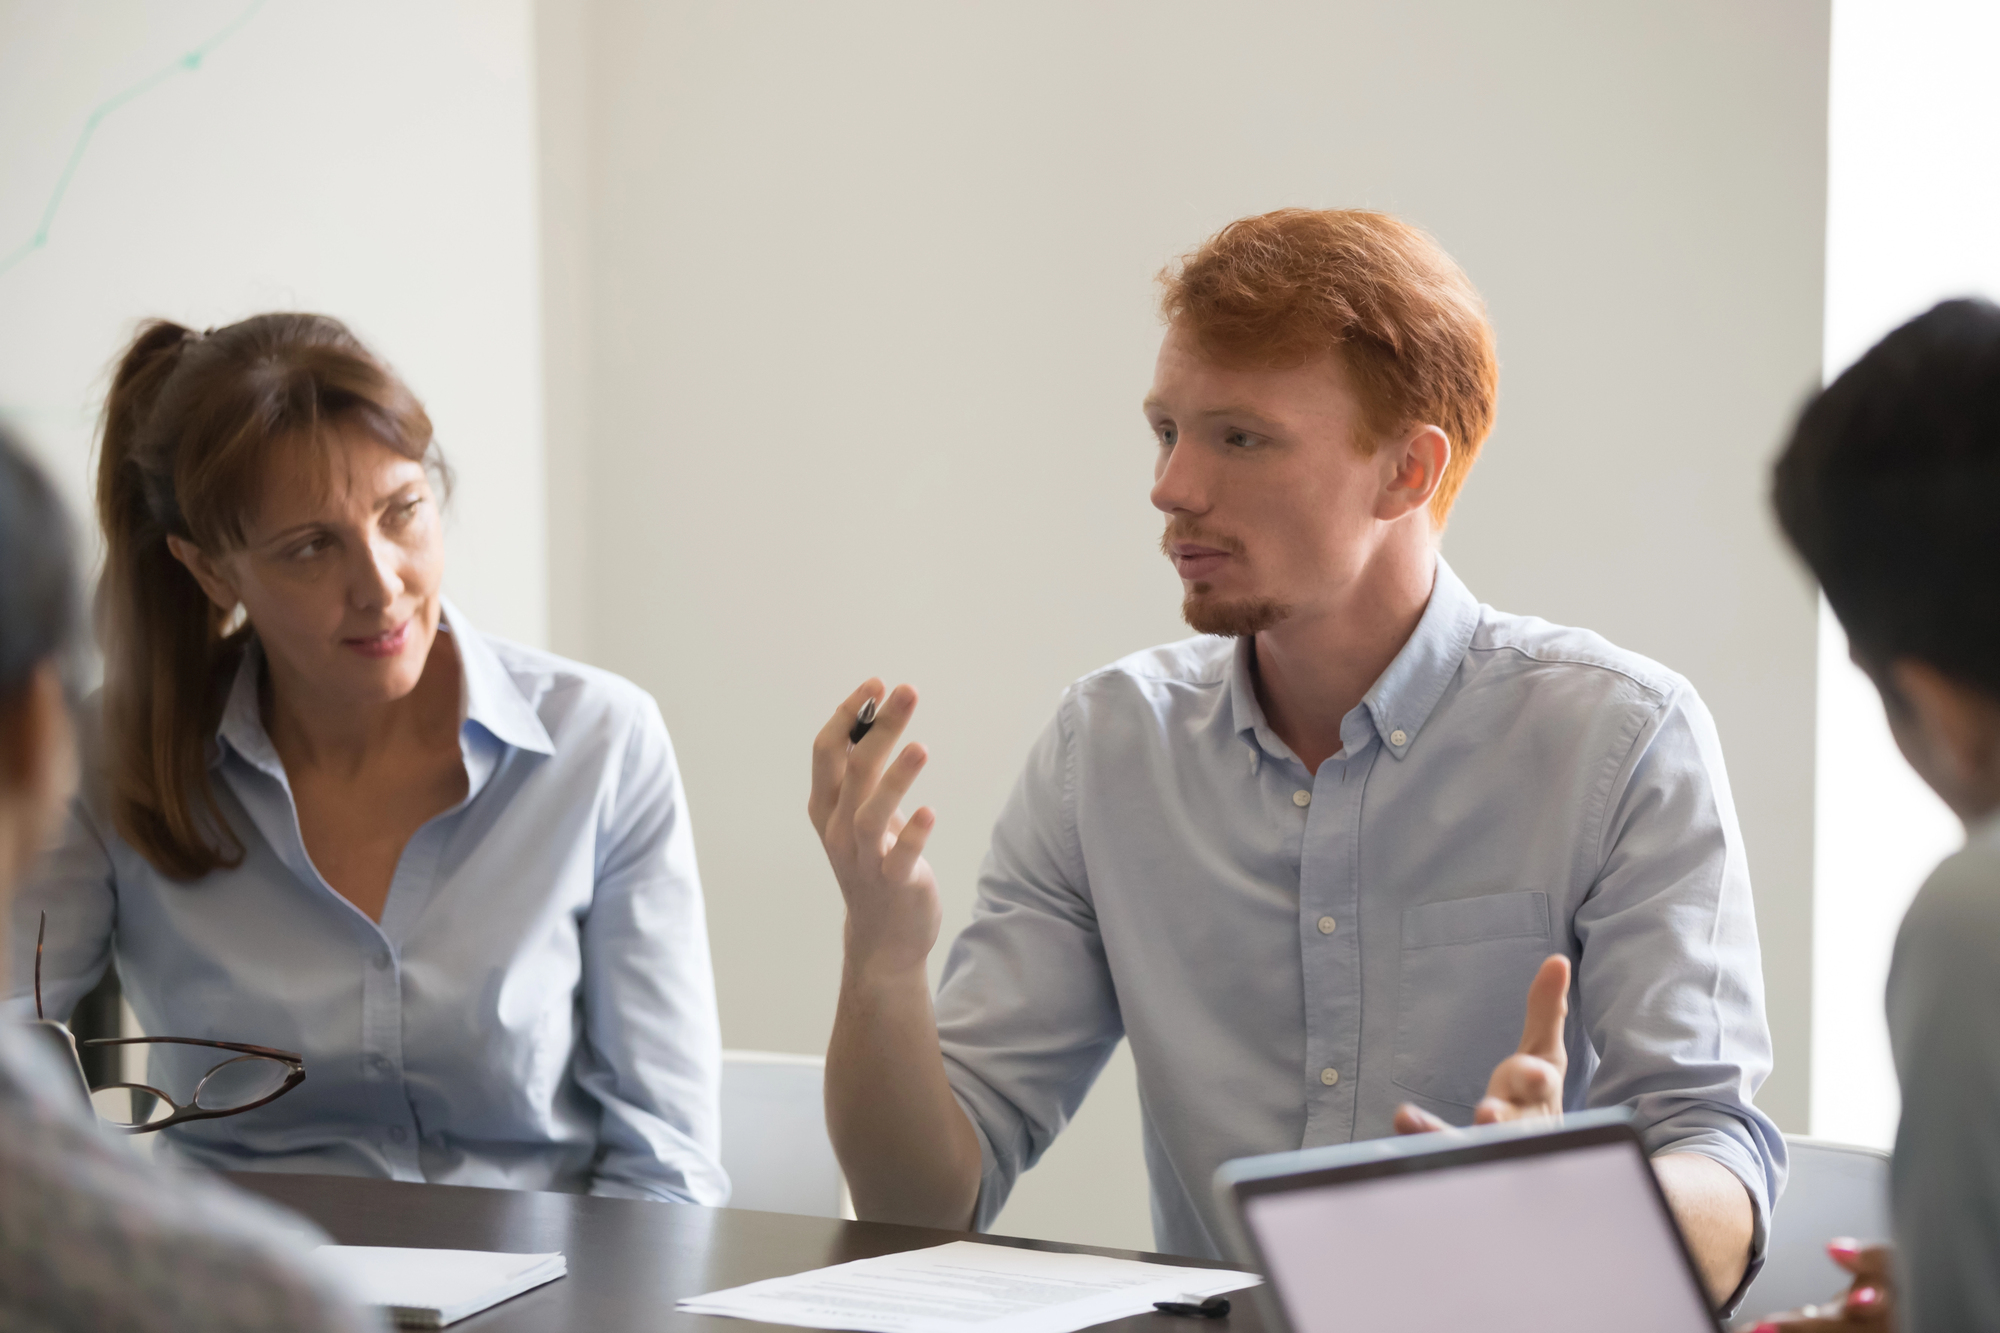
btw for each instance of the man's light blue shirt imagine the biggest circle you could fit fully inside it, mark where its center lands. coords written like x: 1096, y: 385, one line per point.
x: 1292, y: 954
x: 536, y: 1009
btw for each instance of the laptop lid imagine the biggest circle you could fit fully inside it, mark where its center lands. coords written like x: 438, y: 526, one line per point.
x: 1497, y: 1228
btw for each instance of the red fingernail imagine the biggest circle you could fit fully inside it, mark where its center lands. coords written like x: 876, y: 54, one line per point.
x: 1864, y: 1296
x: 1843, y: 1249
x: 1766, y: 1327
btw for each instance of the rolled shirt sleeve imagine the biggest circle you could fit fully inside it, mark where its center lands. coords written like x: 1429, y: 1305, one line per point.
x: 1027, y: 1015
x: 1669, y: 978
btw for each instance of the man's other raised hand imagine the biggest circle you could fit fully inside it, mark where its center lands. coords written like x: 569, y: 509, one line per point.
x: 1529, y: 1083
x: 877, y: 853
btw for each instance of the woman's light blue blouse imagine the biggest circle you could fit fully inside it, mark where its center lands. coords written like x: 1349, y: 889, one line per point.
x: 536, y: 1009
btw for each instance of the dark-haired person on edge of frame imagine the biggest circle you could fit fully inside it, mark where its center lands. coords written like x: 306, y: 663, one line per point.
x: 1890, y: 490
x: 92, y: 1236
x: 1315, y: 864
x: 322, y: 812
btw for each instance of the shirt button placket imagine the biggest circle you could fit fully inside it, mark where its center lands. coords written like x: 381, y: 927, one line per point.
x: 382, y: 1036
x: 1327, y: 868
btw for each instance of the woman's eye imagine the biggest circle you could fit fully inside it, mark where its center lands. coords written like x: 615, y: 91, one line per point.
x: 307, y: 550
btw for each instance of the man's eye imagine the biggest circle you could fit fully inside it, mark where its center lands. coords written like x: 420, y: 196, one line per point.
x: 1167, y: 435
x: 1237, y: 439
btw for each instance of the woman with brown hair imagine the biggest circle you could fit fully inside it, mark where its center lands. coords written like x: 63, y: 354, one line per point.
x: 323, y: 813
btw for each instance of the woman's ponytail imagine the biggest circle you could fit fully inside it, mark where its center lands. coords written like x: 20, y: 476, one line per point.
x: 165, y: 656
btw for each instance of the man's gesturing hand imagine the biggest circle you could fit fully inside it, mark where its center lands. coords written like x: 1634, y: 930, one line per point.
x: 1528, y: 1083
x: 876, y: 852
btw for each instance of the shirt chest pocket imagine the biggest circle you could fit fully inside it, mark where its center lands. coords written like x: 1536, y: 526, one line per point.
x: 1466, y: 965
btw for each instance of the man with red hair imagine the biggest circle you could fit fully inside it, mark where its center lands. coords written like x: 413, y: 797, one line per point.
x: 1315, y: 863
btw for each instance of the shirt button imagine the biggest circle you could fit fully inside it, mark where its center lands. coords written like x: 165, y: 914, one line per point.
x: 1399, y: 737
x: 397, y: 1133
x: 1326, y: 925
x: 1302, y: 798
x: 1329, y: 1076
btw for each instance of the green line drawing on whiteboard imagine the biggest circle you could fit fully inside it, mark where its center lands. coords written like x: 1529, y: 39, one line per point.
x: 185, y: 64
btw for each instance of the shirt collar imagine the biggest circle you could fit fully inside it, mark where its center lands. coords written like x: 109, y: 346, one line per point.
x: 1401, y: 700
x: 489, y: 697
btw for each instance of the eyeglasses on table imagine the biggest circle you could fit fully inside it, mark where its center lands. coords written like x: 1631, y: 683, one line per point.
x: 200, y: 1086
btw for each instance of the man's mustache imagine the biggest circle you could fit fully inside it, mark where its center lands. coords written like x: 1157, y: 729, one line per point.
x: 1179, y: 530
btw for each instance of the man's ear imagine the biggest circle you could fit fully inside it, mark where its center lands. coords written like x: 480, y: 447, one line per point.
x: 1416, y: 464
x: 1960, y: 723
x: 206, y: 572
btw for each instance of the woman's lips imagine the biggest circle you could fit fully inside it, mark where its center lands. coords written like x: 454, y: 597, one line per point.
x: 386, y: 644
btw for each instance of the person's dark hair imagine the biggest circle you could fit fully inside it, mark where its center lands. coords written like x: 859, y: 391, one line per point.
x: 190, y: 423
x: 40, y: 616
x: 1890, y: 490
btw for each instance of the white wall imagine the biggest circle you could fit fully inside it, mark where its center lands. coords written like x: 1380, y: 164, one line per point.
x: 1913, y: 216
x: 866, y: 296
x: 373, y: 160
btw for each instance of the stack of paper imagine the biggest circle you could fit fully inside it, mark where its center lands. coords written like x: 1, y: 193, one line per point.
x: 966, y: 1286
x: 433, y: 1288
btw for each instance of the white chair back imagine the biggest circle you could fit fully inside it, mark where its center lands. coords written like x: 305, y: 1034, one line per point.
x: 774, y: 1141
x: 1835, y: 1189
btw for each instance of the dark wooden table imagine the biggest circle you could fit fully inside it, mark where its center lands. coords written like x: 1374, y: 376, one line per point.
x: 630, y: 1261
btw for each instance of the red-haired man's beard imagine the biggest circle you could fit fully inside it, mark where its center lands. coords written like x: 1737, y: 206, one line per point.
x: 1207, y: 612
x: 1237, y: 617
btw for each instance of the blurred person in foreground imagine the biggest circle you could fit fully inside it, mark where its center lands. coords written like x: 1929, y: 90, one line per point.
x: 322, y: 812
x: 1890, y: 490
x: 91, y: 1235
x: 1315, y: 864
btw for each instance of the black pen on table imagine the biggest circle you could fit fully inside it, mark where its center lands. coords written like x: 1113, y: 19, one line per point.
x: 865, y: 720
x: 1215, y: 1307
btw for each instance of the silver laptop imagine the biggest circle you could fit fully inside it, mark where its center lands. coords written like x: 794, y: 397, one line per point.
x: 1497, y: 1228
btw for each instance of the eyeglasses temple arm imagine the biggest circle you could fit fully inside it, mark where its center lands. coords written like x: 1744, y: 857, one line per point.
x: 40, y: 931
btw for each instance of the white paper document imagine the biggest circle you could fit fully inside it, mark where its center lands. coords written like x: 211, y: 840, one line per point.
x: 967, y: 1287
x: 433, y: 1288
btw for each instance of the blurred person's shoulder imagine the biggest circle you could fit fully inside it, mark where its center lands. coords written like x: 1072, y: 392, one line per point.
x: 92, y: 1236
x: 1951, y: 933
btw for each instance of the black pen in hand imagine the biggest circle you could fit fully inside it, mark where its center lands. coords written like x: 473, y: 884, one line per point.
x: 865, y: 720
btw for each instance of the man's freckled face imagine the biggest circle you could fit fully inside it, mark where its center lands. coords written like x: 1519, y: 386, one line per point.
x: 1268, y: 501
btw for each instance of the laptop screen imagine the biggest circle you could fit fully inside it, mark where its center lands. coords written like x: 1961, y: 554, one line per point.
x: 1571, y: 1239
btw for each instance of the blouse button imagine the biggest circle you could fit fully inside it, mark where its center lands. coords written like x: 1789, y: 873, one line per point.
x: 1302, y: 798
